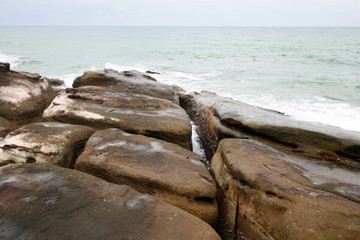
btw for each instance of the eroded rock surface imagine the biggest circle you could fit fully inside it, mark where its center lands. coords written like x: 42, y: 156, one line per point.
x: 164, y: 170
x: 23, y: 96
x: 132, y: 81
x: 267, y: 194
x: 43, y: 201
x: 5, y: 127
x: 220, y: 118
x: 102, y: 107
x: 53, y: 142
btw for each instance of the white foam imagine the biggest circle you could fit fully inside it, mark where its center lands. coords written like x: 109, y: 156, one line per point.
x: 12, y: 59
x: 314, y: 109
x: 120, y: 68
x: 196, y: 143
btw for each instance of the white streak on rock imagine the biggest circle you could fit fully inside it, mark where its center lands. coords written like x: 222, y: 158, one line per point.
x: 137, y: 201
x: 110, y: 144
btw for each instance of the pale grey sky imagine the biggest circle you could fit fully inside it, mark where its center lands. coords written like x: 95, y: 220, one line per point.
x: 180, y: 12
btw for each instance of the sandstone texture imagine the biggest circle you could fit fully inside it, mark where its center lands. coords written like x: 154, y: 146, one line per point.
x: 103, y: 107
x: 5, y: 127
x: 132, y: 81
x: 164, y: 170
x: 57, y: 84
x: 52, y: 142
x: 278, y: 178
x: 23, y: 96
x: 44, y: 201
x: 220, y: 118
x: 267, y: 194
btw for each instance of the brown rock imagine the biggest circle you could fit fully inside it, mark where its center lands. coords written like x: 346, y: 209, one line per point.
x: 5, y: 127
x: 267, y: 194
x: 54, y: 82
x: 23, y: 96
x: 4, y: 67
x: 220, y: 118
x: 43, y: 201
x: 164, y: 170
x: 133, y: 81
x: 53, y: 142
x: 102, y: 108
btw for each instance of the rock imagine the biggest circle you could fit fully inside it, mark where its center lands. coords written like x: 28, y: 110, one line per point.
x: 4, y: 67
x: 5, y: 127
x: 164, y: 170
x: 23, y: 96
x: 57, y: 84
x: 267, y: 194
x: 54, y: 81
x: 43, y: 201
x: 220, y: 118
x: 102, y: 108
x: 133, y: 81
x: 151, y: 72
x: 53, y: 142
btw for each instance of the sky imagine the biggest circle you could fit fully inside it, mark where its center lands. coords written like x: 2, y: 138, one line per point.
x: 180, y: 13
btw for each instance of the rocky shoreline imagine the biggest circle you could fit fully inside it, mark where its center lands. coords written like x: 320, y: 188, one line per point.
x: 111, y: 158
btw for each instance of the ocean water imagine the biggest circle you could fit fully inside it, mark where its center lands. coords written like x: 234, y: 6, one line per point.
x: 311, y: 74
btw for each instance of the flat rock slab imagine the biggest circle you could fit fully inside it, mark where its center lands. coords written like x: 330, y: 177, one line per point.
x: 220, y: 118
x: 5, y: 127
x: 164, y: 170
x: 103, y: 108
x: 23, y: 95
x: 132, y: 81
x: 52, y: 142
x: 271, y: 195
x: 44, y: 201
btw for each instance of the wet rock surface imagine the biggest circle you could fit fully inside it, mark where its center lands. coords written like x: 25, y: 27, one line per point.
x: 52, y: 142
x: 23, y: 96
x: 132, y: 81
x: 276, y: 178
x: 267, y: 194
x: 103, y: 108
x: 164, y: 170
x: 5, y: 127
x: 220, y: 118
x: 43, y: 201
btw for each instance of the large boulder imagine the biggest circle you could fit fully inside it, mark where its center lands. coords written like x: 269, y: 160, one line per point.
x: 5, y: 127
x: 102, y: 107
x: 266, y: 194
x: 164, y: 170
x: 220, y: 118
x: 44, y: 201
x: 133, y: 81
x: 53, y: 142
x: 23, y: 96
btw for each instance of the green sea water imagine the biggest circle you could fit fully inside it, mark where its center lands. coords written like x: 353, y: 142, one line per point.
x: 311, y: 74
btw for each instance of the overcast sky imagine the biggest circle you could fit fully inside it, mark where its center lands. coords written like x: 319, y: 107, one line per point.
x: 180, y: 12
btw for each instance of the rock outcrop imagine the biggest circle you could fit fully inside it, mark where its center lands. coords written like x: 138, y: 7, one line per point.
x: 44, y: 201
x: 5, y: 127
x: 57, y: 84
x: 23, y: 96
x: 220, y: 118
x: 103, y: 107
x: 131, y: 81
x: 267, y: 194
x: 52, y: 142
x: 164, y: 170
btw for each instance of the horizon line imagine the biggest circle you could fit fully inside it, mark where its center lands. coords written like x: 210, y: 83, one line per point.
x: 245, y: 26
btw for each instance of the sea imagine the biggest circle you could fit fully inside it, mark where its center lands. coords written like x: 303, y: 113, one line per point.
x: 311, y: 74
